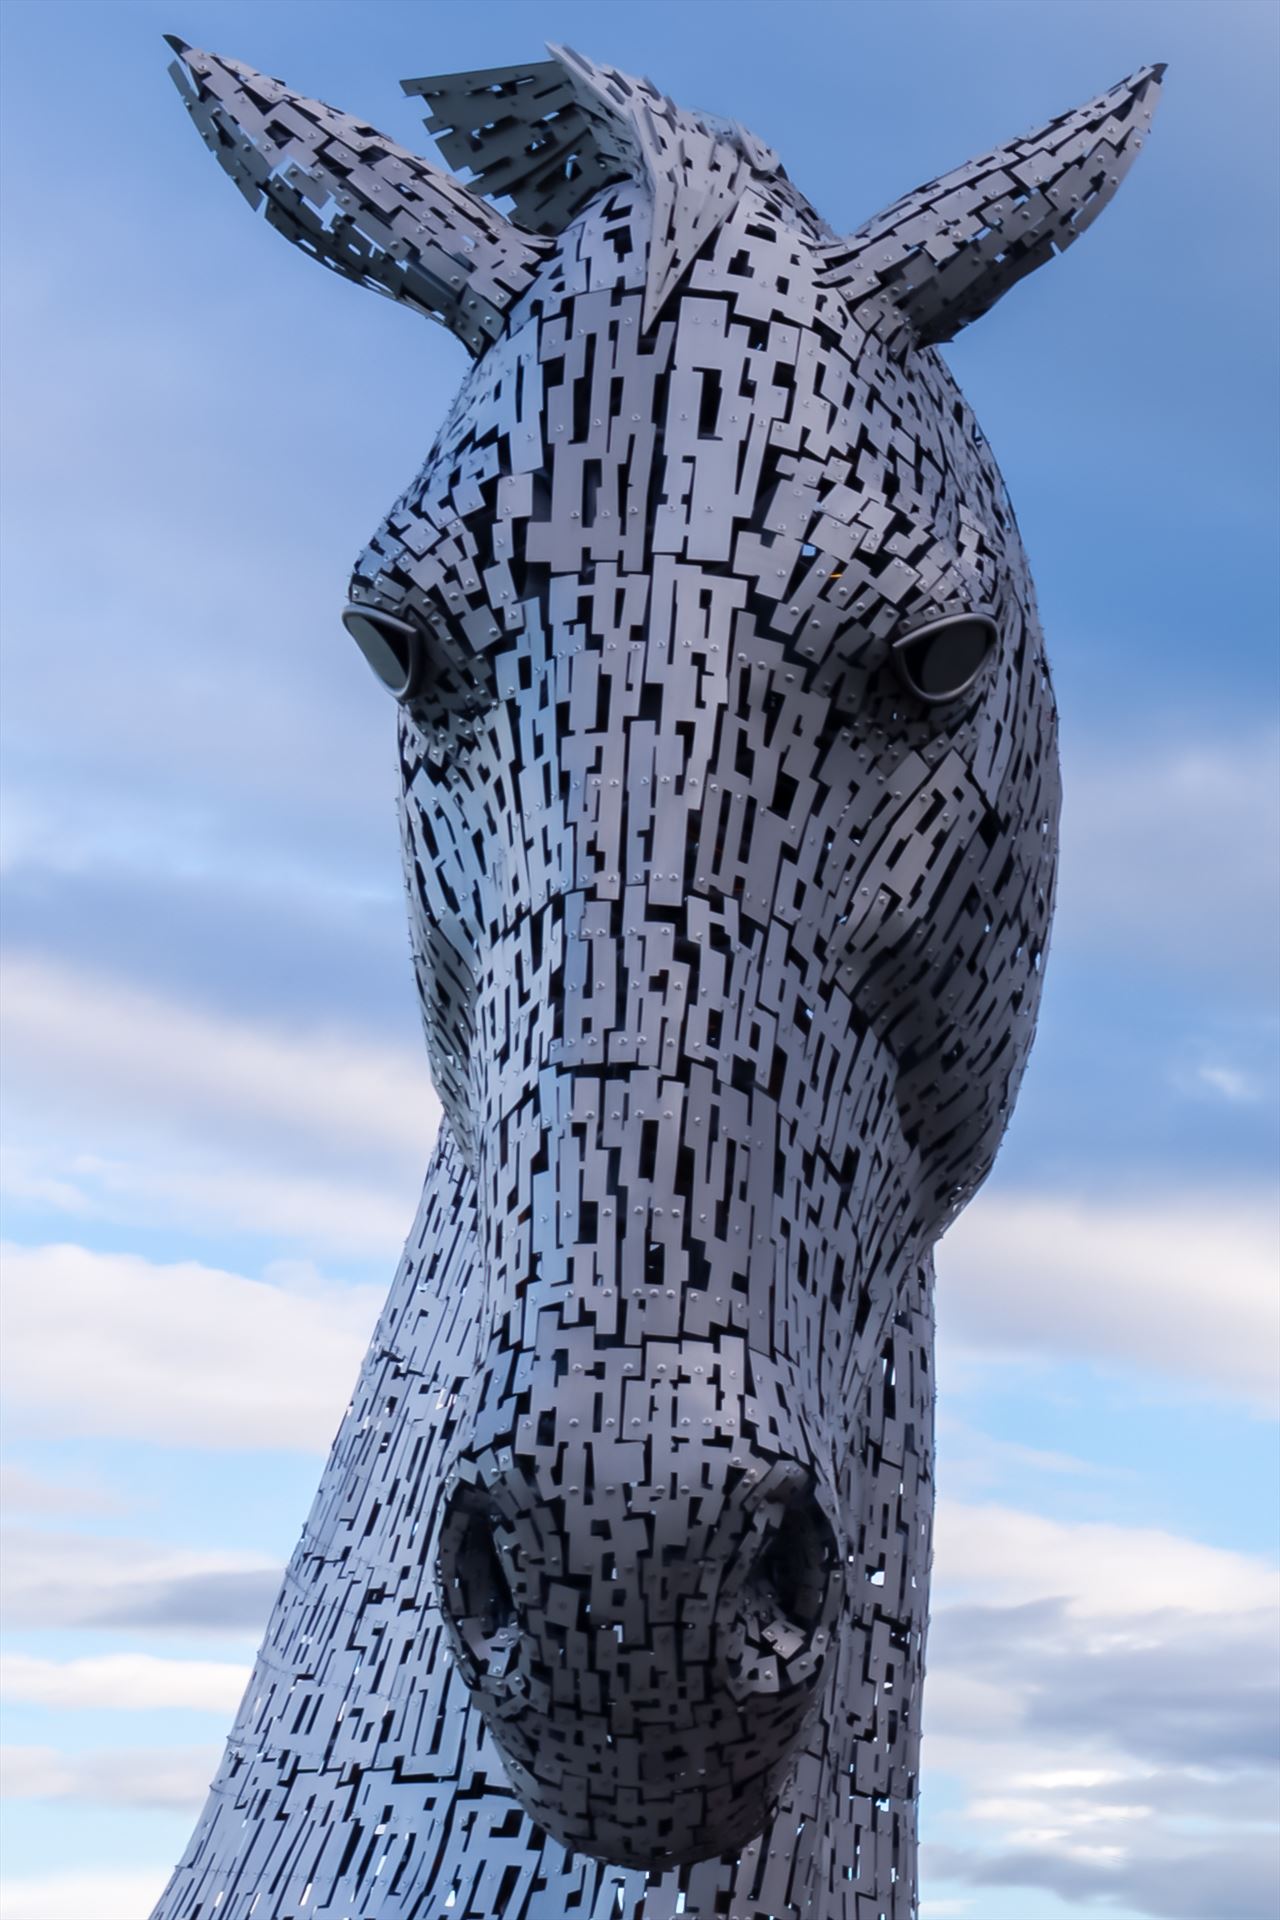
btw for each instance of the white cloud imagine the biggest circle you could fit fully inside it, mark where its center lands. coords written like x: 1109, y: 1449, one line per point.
x: 133, y: 1107
x: 22, y: 1178
x: 173, y: 1778
x: 34, y: 1493
x: 124, y: 1052
x: 1173, y: 854
x: 1230, y: 1083
x: 106, y: 1894
x: 109, y: 1343
x: 978, y: 1463
x: 136, y: 1682
x: 1003, y: 1557
x: 51, y: 1579
x: 1102, y: 1701
x: 1180, y: 1284
x: 336, y: 1214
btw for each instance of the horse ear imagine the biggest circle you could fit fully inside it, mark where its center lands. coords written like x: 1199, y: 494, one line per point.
x: 357, y: 202
x: 941, y: 256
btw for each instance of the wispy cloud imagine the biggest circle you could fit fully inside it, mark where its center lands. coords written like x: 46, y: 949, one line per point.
x: 123, y: 1052
x: 1230, y: 1083
x: 175, y: 1778
x: 106, y: 1343
x: 134, y: 1682
x: 1170, y: 855
x: 22, y: 1491
x: 1170, y: 1880
x: 978, y: 1463
x: 136, y: 1106
x: 1103, y: 1701
x: 1002, y: 1556
x: 337, y: 1216
x: 51, y: 1579
x: 1180, y: 1283
x: 105, y: 1892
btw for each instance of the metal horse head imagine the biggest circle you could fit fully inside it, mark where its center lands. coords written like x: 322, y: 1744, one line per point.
x: 729, y: 805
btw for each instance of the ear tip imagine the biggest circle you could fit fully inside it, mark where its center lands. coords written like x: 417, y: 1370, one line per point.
x: 1145, y: 89
x: 1148, y: 80
x: 566, y: 56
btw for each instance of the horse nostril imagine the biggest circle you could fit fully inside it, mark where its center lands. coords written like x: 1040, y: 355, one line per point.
x: 791, y: 1576
x: 777, y: 1620
x: 474, y: 1590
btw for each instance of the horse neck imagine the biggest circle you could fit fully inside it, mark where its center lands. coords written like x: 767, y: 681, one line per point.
x: 354, y: 1720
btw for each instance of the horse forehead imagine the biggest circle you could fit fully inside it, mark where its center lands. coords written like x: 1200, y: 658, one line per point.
x: 912, y: 418
x: 758, y: 291
x: 790, y: 363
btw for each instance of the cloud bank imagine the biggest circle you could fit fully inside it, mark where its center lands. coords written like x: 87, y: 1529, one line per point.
x: 1104, y: 1700
x: 1180, y: 1284
x: 105, y: 1343
x: 132, y: 1682
x: 51, y: 1579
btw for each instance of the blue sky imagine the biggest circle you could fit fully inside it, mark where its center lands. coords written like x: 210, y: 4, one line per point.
x: 217, y: 1111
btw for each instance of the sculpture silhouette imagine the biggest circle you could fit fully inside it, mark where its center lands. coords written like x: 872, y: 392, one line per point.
x: 729, y: 804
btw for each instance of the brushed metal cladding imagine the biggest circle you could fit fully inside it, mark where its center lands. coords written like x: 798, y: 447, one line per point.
x: 729, y: 798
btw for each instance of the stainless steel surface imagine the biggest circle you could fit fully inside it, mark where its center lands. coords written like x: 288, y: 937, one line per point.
x: 613, y: 1598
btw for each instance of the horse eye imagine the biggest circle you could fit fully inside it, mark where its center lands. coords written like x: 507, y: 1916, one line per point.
x: 942, y: 660
x: 391, y: 646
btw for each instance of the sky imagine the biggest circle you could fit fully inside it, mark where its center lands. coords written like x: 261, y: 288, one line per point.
x: 216, y: 1106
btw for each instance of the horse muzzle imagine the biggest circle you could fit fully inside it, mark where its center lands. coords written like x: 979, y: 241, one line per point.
x: 646, y: 1653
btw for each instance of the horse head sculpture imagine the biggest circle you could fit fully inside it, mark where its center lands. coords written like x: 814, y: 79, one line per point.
x: 729, y: 800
